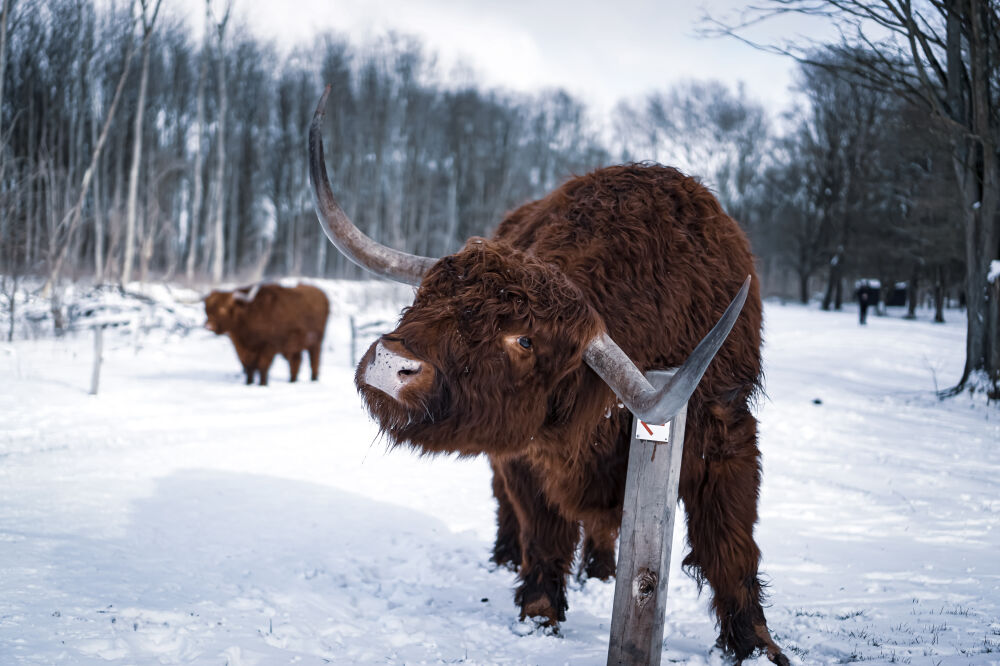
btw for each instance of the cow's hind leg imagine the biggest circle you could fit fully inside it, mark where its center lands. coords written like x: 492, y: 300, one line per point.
x: 294, y: 362
x: 598, y: 555
x: 507, y: 548
x: 547, y: 543
x: 720, y: 495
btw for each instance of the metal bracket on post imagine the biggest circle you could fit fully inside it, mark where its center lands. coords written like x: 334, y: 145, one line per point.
x: 654, y: 469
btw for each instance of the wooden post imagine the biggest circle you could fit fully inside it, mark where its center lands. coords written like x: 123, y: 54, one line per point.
x: 654, y: 469
x: 95, y: 373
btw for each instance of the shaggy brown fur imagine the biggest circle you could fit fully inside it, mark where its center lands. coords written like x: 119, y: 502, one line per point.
x: 277, y: 320
x: 647, y: 254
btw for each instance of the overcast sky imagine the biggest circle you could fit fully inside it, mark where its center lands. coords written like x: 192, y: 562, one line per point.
x: 599, y: 51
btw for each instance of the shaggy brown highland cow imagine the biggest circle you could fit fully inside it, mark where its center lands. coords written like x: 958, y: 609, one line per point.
x: 523, y: 345
x: 269, y: 319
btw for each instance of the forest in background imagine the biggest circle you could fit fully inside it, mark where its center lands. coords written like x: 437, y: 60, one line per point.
x: 134, y: 149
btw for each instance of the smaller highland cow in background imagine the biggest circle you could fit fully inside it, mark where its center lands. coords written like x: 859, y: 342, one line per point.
x: 269, y: 319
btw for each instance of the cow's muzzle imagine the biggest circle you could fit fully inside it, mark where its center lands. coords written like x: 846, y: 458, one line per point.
x: 390, y: 370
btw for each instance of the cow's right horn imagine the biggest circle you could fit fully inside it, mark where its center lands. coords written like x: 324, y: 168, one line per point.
x: 354, y: 245
x: 614, y: 366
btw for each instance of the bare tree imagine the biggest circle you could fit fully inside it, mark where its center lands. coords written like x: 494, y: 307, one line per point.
x: 63, y: 233
x: 4, y: 13
x: 944, y: 56
x: 148, y: 21
x: 219, y: 207
x: 194, y: 225
x: 418, y: 163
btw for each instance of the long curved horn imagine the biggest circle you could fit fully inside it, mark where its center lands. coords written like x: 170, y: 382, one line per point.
x: 659, y: 406
x: 249, y: 296
x: 354, y: 245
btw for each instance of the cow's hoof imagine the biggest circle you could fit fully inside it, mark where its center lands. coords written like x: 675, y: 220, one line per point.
x: 761, y: 642
x: 542, y: 616
x: 542, y: 595
x: 533, y: 627
x: 768, y: 646
x: 598, y: 564
x: 506, y: 556
x: 778, y: 658
x: 540, y: 608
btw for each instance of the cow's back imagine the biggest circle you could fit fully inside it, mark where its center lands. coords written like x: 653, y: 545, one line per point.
x: 312, y: 305
x: 659, y: 260
x: 276, y: 314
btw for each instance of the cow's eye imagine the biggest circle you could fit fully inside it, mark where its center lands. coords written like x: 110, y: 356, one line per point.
x: 524, y: 341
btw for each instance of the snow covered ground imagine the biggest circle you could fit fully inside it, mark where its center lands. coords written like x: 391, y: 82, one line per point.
x: 182, y: 517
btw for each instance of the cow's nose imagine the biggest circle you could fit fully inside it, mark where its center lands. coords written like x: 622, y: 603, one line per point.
x: 391, y: 372
x: 409, y: 370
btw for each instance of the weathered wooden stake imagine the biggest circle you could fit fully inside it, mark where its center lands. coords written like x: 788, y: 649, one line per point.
x: 95, y: 373
x: 654, y: 469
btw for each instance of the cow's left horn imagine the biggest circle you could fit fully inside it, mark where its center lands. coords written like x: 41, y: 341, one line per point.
x: 249, y: 296
x: 354, y: 244
x: 659, y: 406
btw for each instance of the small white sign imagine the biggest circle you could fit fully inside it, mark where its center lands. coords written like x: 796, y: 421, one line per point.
x: 652, y: 432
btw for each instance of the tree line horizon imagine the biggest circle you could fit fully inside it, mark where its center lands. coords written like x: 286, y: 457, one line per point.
x: 133, y: 150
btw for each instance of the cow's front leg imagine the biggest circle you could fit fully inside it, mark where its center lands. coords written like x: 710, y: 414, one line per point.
x: 264, y: 365
x: 249, y: 362
x: 507, y: 548
x: 547, y: 543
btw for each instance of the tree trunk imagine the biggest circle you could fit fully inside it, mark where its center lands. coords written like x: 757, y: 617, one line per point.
x: 803, y: 288
x: 98, y: 209
x: 321, y: 257
x: 133, y: 181
x: 978, y: 174
x: 12, y: 299
x: 115, y: 218
x: 264, y: 259
x: 150, y: 223
x: 913, y: 293
x: 194, y: 228
x: 3, y: 68
x: 451, y: 230
x: 939, y: 295
x: 31, y: 172
x: 832, y: 282
x: 218, y: 243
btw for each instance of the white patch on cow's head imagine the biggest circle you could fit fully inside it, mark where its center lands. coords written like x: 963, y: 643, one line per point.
x: 390, y: 372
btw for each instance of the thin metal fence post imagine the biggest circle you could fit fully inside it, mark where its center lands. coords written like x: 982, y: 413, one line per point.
x: 95, y: 373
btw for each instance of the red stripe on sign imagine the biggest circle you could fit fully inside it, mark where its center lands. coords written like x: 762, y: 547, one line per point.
x: 648, y: 429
